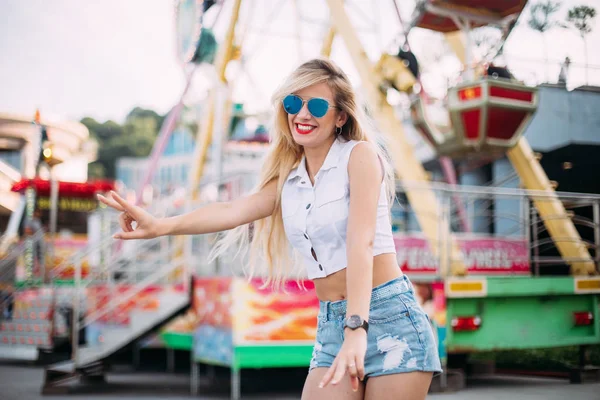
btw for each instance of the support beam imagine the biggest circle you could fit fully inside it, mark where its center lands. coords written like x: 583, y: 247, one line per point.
x: 328, y: 42
x: 551, y: 210
x: 203, y: 140
x: 226, y: 50
x: 408, y: 168
x: 205, y: 132
x: 456, y: 41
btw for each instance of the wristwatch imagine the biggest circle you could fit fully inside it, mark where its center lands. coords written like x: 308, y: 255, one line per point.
x: 354, y: 322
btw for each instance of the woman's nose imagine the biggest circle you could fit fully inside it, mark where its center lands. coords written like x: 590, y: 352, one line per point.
x: 304, y: 113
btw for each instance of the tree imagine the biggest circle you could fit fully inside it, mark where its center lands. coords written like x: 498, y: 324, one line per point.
x: 541, y: 19
x: 580, y: 18
x: 134, y: 138
x: 487, y: 41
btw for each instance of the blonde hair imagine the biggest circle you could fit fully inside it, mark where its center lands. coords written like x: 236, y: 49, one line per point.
x: 266, y: 239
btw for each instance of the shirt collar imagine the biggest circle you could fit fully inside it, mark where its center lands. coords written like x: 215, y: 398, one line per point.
x: 300, y: 170
x: 331, y: 161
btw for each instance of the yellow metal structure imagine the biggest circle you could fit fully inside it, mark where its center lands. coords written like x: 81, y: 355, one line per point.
x: 204, y: 136
x: 203, y: 139
x: 408, y: 167
x: 205, y: 133
x: 393, y: 70
x: 456, y: 42
x: 328, y: 42
x: 551, y: 210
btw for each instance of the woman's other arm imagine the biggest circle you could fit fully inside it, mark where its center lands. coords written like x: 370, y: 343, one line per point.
x: 365, y: 177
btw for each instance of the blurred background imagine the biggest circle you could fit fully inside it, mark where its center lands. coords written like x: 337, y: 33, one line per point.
x: 488, y: 110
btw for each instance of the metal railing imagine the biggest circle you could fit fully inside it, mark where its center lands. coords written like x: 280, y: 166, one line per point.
x: 8, y: 267
x: 510, y: 215
x: 128, y: 270
x: 498, y: 215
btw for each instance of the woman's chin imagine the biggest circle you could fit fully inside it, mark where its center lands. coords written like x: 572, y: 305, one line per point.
x: 303, y: 140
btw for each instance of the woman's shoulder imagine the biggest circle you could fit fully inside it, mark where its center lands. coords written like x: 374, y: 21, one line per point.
x: 346, y: 146
x: 350, y: 145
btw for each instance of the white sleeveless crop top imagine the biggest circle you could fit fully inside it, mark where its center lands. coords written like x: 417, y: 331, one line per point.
x: 315, y: 218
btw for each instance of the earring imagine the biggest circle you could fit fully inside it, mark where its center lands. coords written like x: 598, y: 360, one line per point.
x: 338, y: 130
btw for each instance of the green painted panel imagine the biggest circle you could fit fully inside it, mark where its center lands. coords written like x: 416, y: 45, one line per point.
x: 27, y: 284
x: 522, y: 322
x: 261, y: 356
x: 529, y: 286
x: 179, y: 341
x: 37, y: 283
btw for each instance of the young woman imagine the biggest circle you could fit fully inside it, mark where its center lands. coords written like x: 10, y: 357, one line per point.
x: 325, y: 190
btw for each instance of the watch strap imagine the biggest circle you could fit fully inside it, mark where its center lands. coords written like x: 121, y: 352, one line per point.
x: 364, y: 324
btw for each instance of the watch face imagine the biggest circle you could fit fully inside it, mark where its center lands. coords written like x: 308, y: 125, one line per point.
x: 354, y: 321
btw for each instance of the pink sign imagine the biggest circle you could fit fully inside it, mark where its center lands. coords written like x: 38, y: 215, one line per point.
x: 481, y: 255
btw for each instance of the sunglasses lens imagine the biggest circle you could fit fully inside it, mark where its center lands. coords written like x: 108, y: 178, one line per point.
x: 318, y: 107
x: 292, y: 104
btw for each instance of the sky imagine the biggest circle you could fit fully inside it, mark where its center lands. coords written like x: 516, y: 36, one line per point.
x: 75, y: 58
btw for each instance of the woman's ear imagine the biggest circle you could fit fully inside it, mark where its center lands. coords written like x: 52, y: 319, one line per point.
x: 342, y: 118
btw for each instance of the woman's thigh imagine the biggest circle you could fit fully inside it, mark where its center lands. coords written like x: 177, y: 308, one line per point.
x: 401, y: 386
x: 341, y: 391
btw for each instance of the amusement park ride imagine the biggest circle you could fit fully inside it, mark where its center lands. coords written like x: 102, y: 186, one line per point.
x: 474, y: 306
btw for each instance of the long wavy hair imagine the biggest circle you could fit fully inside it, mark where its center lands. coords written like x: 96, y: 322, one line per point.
x: 270, y: 254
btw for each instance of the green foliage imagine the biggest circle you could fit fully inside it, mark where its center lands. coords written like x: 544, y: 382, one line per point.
x: 581, y: 18
x: 132, y: 139
x: 541, y: 16
x: 96, y: 170
x: 542, y: 19
x: 206, y: 49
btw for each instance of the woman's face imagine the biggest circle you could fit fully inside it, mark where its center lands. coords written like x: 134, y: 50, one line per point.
x: 309, y: 131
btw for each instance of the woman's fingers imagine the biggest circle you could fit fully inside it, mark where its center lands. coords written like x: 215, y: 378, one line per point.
x: 130, y: 214
x: 339, y: 372
x: 128, y: 221
x: 110, y: 203
x: 125, y: 222
x: 360, y: 367
x: 352, y: 370
x: 124, y: 204
x: 122, y: 224
x: 355, y: 367
x: 329, y: 374
x: 136, y: 234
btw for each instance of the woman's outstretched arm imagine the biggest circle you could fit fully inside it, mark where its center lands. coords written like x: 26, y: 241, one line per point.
x: 213, y: 217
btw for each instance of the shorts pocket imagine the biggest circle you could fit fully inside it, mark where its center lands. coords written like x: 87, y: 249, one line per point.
x: 330, y: 336
x: 389, y: 310
x: 421, y: 325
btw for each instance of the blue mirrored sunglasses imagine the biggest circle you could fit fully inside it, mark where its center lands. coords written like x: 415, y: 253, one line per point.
x: 318, y: 107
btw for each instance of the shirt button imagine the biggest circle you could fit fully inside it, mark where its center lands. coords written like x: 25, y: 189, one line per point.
x: 320, y: 267
x: 308, y: 206
x: 306, y: 236
x: 303, y: 182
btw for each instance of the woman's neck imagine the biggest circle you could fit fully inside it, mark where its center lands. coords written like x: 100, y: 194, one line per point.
x: 315, y: 157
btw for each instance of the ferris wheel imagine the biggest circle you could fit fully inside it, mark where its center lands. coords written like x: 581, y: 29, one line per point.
x: 484, y: 113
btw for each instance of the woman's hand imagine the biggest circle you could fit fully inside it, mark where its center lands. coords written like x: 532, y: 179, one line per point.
x: 351, y: 358
x: 146, y: 226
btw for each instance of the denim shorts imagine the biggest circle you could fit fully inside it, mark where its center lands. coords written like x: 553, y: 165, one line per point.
x: 400, y: 337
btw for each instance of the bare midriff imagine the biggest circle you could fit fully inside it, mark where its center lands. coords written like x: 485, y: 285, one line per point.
x: 333, y: 287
